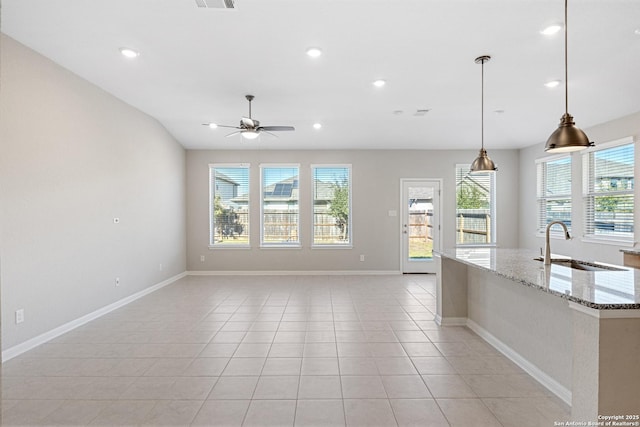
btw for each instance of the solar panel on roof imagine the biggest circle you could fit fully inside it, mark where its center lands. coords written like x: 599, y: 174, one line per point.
x: 280, y: 190
x: 285, y: 190
x: 277, y: 191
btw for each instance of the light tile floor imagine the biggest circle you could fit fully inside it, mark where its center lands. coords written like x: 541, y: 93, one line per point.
x: 275, y: 351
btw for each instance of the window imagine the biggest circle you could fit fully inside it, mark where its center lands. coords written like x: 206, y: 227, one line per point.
x: 475, y: 207
x: 280, y: 205
x: 229, y: 205
x: 331, y: 205
x: 554, y: 191
x: 608, y: 183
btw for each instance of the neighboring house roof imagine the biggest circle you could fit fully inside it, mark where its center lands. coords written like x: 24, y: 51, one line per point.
x: 478, y: 183
x: 287, y: 189
x: 613, y: 169
x: 223, y: 177
x: 421, y: 193
x: 324, y: 190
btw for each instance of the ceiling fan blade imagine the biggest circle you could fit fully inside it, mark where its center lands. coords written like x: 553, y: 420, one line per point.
x: 234, y: 133
x: 222, y: 126
x: 277, y: 128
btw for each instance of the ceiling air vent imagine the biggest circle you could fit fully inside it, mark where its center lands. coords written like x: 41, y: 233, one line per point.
x: 216, y: 4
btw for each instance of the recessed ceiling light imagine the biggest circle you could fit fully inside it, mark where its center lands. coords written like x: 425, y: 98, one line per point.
x: 213, y: 125
x: 314, y: 52
x: 129, y: 53
x: 637, y: 31
x: 551, y: 29
x: 379, y: 83
x: 317, y: 126
x: 552, y: 83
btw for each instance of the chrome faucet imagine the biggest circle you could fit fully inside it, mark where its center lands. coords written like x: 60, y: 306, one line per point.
x: 547, y: 247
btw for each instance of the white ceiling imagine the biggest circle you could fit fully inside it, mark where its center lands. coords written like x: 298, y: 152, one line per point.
x: 196, y: 65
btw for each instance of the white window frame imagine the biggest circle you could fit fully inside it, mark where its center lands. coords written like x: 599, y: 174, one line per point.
x: 294, y: 244
x: 212, y: 195
x: 542, y: 164
x: 492, y: 209
x: 586, y: 194
x: 349, y: 244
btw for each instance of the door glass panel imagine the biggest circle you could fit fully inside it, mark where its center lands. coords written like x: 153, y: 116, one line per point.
x: 420, y: 223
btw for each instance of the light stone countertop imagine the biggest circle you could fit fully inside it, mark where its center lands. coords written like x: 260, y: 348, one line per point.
x: 600, y: 290
x: 632, y: 251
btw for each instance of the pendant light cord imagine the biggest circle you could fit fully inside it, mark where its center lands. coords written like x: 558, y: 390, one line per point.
x: 481, y: 60
x: 566, y: 62
x: 482, y: 108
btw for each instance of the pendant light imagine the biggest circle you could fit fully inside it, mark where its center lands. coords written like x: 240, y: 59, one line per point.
x: 482, y: 163
x: 567, y: 137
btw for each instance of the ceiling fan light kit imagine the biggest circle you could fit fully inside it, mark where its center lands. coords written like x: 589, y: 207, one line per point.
x: 249, y: 134
x: 567, y: 137
x: 483, y: 162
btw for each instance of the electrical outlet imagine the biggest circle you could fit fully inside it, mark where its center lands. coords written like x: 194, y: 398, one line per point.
x: 201, y: 258
x: 117, y: 281
x: 19, y: 316
x: 160, y: 268
x: 362, y: 258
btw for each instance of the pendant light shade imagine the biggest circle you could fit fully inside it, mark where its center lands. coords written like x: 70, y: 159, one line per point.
x: 482, y: 163
x: 567, y: 137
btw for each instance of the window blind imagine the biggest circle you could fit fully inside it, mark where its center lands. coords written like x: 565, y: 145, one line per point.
x: 475, y: 207
x: 229, y: 205
x: 553, y: 192
x: 280, y: 213
x: 608, y: 184
x: 331, y: 205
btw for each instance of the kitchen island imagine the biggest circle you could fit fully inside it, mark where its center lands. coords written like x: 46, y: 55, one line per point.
x: 577, y: 332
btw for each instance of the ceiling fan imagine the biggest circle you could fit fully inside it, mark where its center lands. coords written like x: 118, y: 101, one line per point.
x: 250, y: 128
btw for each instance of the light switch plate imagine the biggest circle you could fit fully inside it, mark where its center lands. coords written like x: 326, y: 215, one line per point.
x: 19, y: 316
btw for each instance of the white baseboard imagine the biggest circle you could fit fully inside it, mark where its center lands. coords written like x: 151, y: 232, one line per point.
x: 295, y: 273
x: 17, y: 350
x: 451, y: 321
x: 551, y: 384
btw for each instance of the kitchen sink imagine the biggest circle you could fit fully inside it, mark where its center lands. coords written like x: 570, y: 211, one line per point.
x: 582, y: 265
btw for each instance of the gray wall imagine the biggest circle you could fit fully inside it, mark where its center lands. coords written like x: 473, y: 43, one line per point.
x: 73, y: 157
x: 609, y: 131
x: 376, y: 190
